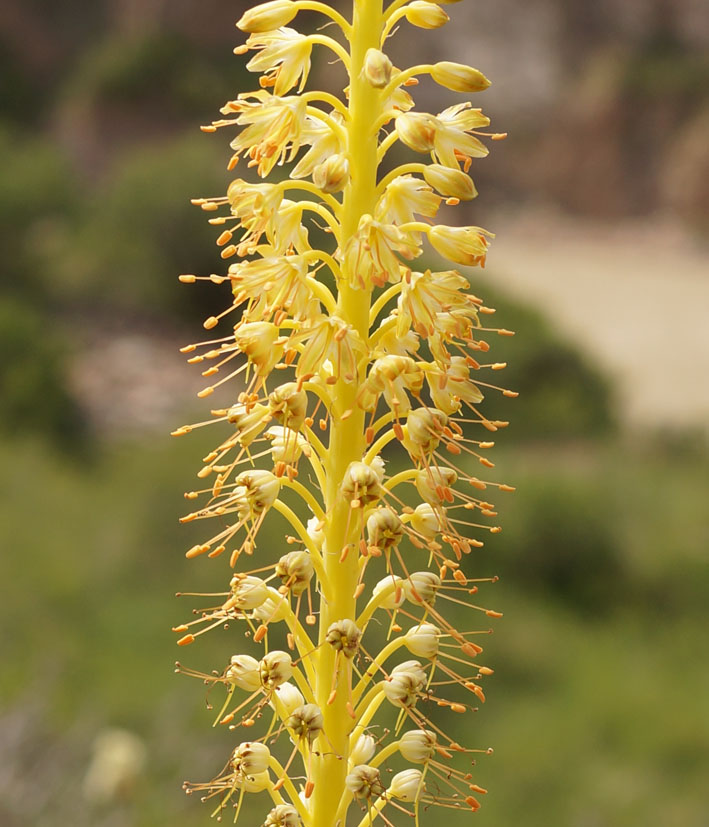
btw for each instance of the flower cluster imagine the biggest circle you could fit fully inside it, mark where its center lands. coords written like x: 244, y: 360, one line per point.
x: 346, y: 358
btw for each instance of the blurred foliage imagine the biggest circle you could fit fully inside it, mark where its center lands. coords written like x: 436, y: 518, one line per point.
x: 161, y: 69
x: 138, y: 231
x: 33, y: 389
x: 561, y: 395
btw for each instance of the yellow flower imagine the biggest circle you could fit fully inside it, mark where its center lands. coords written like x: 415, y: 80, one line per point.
x: 273, y: 130
x: 404, y: 197
x: 284, y: 57
x: 464, y: 245
x: 370, y: 255
x: 451, y: 136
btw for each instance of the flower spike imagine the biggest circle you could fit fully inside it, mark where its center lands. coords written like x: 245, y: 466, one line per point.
x: 337, y: 358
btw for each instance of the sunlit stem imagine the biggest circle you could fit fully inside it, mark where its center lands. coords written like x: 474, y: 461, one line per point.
x: 347, y: 436
x: 373, y: 668
x: 328, y: 11
x: 333, y: 45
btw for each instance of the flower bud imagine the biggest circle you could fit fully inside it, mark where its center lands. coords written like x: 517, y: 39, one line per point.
x: 253, y: 783
x: 315, y: 527
x: 273, y: 609
x: 361, y: 481
x: 249, y: 421
x: 295, y: 570
x: 363, y: 750
x: 421, y: 587
x: 432, y: 482
x: 426, y: 15
x: 244, y: 673
x: 247, y: 592
x: 364, y: 782
x: 261, y: 343
x: 406, y: 785
x: 396, y: 596
x: 283, y: 815
x: 250, y: 758
x: 384, y: 528
x: 344, y: 636
x: 453, y: 183
x: 266, y: 17
x: 424, y: 427
x: 417, y: 130
x: 289, y: 697
x: 275, y: 668
x: 464, y: 245
x: 418, y: 745
x: 286, y: 445
x: 306, y: 722
x: 405, y: 683
x: 377, y: 68
x: 425, y: 520
x: 333, y: 174
x: 422, y: 640
x: 458, y: 77
x: 261, y: 488
x: 288, y: 405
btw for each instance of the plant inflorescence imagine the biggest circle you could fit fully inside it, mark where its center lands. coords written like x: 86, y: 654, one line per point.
x: 358, y: 377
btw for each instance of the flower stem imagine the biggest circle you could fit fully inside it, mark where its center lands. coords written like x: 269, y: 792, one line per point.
x: 347, y: 440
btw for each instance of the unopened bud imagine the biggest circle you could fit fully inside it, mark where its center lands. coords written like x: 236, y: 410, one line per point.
x: 464, y: 245
x: 418, y: 745
x: 422, y: 640
x: 363, y: 750
x: 286, y: 445
x: 458, y: 77
x: 247, y: 592
x: 275, y: 668
x: 406, y: 785
x: 249, y: 421
x: 254, y: 782
x: 266, y: 17
x: 424, y: 427
x: 395, y: 596
x: 333, y: 174
x: 421, y: 587
x: 426, y: 15
x: 244, y: 673
x: 273, y: 609
x: 289, y: 697
x: 377, y: 68
x: 453, y: 183
x: 261, y: 488
x: 405, y: 683
x: 250, y: 758
x: 417, y: 130
x: 431, y: 483
x: 426, y: 521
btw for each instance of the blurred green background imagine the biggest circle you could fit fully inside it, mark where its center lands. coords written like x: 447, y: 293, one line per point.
x: 598, y: 710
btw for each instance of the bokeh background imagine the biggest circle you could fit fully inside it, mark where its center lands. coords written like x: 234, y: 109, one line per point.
x: 599, y: 708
